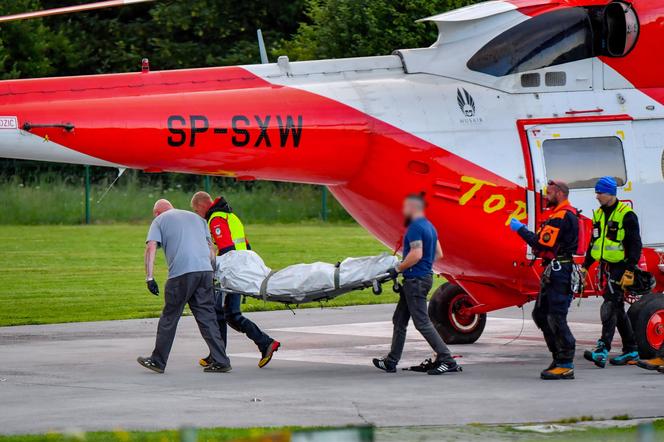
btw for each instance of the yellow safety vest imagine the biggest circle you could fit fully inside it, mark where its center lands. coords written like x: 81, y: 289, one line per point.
x: 237, y: 240
x: 608, y: 236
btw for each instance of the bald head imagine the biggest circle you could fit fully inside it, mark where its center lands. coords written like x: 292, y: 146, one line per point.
x: 161, y: 206
x: 201, y: 202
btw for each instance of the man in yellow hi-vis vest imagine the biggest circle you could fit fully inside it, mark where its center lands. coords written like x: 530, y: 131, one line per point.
x: 616, y: 245
x: 227, y: 232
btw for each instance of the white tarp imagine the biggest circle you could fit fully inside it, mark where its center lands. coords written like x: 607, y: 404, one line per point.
x: 298, y: 279
x: 244, y: 271
x: 365, y: 268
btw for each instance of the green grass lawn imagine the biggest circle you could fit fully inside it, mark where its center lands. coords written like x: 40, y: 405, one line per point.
x: 203, y: 435
x: 51, y: 274
x: 474, y: 432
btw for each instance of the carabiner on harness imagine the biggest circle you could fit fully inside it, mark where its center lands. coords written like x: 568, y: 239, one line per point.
x: 555, y: 265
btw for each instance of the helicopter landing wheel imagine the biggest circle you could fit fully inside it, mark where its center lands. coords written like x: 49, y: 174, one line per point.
x: 446, y: 312
x: 649, y: 325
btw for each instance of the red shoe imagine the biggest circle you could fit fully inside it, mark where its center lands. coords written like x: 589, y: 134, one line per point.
x: 268, y: 352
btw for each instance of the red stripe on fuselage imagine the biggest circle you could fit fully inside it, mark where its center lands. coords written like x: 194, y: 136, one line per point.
x: 369, y: 164
x: 127, y: 85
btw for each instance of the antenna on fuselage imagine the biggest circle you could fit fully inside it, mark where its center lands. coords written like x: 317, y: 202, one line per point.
x: 69, y: 9
x: 121, y: 171
x: 261, y: 47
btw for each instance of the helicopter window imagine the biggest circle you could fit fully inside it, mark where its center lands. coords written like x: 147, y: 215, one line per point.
x: 580, y: 162
x: 546, y: 40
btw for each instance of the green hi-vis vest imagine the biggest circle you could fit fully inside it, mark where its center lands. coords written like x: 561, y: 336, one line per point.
x: 609, y: 235
x: 234, y: 238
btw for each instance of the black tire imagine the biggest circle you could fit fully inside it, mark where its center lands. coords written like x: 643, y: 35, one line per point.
x: 634, y: 309
x: 454, y: 330
x: 376, y: 288
x: 649, y: 325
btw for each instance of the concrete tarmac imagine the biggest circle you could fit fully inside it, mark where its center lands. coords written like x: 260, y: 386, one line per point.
x: 85, y: 376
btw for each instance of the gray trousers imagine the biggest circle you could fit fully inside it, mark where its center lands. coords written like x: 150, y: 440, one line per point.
x: 195, y: 289
x: 413, y: 303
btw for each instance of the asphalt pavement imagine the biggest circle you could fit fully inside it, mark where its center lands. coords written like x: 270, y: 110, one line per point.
x: 85, y: 376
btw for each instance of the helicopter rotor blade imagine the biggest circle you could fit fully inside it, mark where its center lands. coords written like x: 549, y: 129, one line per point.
x: 69, y: 9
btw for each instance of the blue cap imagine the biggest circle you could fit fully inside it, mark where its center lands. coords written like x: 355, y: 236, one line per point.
x: 606, y: 184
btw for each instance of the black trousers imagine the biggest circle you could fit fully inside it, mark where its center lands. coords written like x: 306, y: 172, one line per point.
x: 229, y: 312
x: 550, y: 314
x: 196, y: 290
x: 413, y: 304
x: 612, y: 312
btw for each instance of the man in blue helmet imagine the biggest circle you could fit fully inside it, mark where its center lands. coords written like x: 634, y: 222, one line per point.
x: 616, y: 245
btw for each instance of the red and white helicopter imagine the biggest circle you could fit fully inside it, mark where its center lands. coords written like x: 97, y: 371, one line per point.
x: 511, y: 94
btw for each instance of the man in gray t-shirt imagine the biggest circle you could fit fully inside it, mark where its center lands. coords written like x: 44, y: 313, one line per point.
x: 186, y: 241
x: 190, y: 256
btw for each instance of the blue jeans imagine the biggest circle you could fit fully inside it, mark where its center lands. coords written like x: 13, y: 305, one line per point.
x: 229, y: 312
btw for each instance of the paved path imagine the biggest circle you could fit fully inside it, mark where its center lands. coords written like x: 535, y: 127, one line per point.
x: 85, y: 376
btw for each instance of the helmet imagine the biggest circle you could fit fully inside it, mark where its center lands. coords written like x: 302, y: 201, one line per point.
x: 644, y: 282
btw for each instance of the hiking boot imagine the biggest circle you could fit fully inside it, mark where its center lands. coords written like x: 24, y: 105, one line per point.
x: 424, y: 366
x: 268, y: 352
x: 560, y: 371
x: 598, y: 356
x: 216, y: 367
x: 442, y: 367
x: 625, y: 358
x: 385, y: 365
x: 206, y: 361
x: 150, y: 364
x: 651, y: 364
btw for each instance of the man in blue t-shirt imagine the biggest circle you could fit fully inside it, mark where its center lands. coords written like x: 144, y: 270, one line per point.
x: 420, y: 249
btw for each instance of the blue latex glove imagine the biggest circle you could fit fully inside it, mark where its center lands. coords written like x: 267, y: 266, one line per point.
x: 516, y: 225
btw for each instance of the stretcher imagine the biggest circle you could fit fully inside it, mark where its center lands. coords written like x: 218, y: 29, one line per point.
x: 243, y: 272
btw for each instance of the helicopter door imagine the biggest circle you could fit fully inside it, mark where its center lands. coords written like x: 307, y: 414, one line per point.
x: 579, y: 154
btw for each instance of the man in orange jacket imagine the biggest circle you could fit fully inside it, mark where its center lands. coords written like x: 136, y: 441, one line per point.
x: 555, y: 242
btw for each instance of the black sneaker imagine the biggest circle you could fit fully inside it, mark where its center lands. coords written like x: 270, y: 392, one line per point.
x: 385, y: 365
x: 216, y: 367
x: 150, y: 364
x: 441, y: 367
x: 424, y: 366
